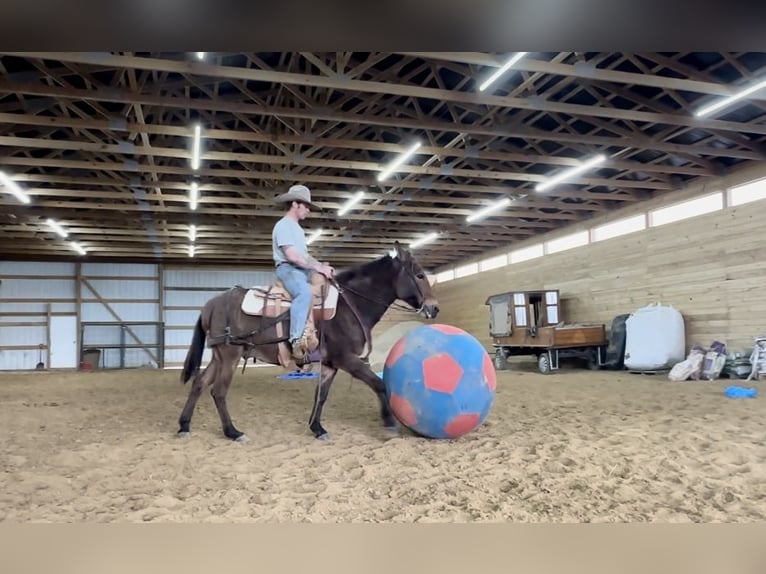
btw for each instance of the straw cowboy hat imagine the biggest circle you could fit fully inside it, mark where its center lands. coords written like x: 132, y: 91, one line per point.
x: 297, y: 193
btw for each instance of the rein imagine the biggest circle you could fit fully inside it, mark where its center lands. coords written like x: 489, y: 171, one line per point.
x: 355, y: 311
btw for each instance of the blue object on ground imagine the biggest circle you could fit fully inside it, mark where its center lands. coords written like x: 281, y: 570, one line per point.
x: 380, y: 374
x: 735, y: 392
x: 298, y: 375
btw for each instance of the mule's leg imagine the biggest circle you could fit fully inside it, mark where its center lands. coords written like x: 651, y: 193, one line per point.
x: 362, y: 371
x: 229, y: 357
x: 201, y: 381
x: 326, y: 377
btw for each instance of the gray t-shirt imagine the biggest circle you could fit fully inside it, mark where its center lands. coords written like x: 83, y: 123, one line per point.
x: 287, y: 232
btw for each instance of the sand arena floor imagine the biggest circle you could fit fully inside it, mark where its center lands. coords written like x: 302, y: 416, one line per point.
x: 576, y: 446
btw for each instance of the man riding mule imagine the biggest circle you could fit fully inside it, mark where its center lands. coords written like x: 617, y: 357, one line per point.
x: 294, y: 266
x: 234, y: 329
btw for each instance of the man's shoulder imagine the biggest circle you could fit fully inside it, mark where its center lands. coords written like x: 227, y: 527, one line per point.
x: 283, y: 224
x: 287, y: 230
x: 286, y: 223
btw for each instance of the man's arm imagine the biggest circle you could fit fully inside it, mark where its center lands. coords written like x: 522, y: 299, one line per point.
x: 306, y: 262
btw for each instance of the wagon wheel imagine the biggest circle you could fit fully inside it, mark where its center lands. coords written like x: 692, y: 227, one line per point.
x: 544, y: 364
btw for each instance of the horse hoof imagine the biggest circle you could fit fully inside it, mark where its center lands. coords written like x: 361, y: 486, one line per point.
x: 324, y: 437
x: 242, y: 439
x: 185, y: 435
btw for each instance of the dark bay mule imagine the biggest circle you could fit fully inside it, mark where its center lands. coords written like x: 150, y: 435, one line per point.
x: 366, y: 293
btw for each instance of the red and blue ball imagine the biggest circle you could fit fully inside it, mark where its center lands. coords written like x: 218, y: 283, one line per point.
x: 440, y: 381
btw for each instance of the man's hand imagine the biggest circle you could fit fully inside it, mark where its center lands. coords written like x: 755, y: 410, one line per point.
x: 326, y: 270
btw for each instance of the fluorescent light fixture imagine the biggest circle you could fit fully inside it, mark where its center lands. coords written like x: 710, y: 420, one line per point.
x: 515, y: 58
x: 192, y: 232
x: 570, y: 173
x: 14, y: 188
x: 314, y: 236
x: 191, y: 250
x: 57, y: 228
x: 356, y: 198
x: 730, y: 100
x: 423, y: 240
x: 489, y: 209
x: 77, y: 247
x: 193, y: 195
x: 196, y: 146
x: 397, y: 162
x: 200, y: 55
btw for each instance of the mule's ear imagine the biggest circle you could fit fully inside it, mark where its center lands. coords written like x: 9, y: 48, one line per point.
x: 401, y: 252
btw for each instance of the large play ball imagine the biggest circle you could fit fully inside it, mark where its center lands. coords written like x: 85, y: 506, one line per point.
x: 440, y: 382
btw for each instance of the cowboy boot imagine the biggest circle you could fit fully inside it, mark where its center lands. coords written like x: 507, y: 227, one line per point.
x: 311, y: 340
x: 297, y: 351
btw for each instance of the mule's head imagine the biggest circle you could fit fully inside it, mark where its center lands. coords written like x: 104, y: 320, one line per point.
x: 411, y: 284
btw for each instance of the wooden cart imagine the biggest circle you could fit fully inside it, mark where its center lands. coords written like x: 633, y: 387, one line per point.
x: 530, y: 323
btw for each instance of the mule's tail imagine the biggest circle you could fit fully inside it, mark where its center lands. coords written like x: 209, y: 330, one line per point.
x: 194, y: 356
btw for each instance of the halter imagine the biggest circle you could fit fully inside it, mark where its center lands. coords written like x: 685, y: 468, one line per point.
x: 395, y: 305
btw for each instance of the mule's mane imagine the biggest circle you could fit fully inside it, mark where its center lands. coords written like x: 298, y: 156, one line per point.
x: 372, y: 269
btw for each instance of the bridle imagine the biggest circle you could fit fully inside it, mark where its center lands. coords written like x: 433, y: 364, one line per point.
x: 367, y: 335
x: 395, y: 305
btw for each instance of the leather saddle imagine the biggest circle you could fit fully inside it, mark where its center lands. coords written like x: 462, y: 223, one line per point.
x: 273, y: 300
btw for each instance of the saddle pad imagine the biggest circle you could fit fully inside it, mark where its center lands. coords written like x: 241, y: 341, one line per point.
x: 253, y: 302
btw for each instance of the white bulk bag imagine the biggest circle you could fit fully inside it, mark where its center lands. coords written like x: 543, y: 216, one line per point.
x: 654, y: 338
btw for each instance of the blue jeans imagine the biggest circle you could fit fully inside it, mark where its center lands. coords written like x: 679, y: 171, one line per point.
x: 296, y: 281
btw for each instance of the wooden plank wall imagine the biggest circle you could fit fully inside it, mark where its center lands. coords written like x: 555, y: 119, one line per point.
x: 712, y: 268
x: 393, y: 317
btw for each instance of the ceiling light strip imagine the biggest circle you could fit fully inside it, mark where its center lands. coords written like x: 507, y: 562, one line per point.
x: 507, y: 66
x: 57, y: 228
x: 482, y: 213
x: 398, y: 161
x: 423, y: 240
x: 570, y: 173
x: 314, y: 236
x: 709, y: 109
x: 77, y: 247
x: 193, y: 195
x: 356, y: 198
x: 14, y: 188
x: 196, y: 147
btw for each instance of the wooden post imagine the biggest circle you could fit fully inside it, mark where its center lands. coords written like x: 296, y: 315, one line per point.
x: 161, y: 316
x: 78, y: 309
x: 47, y: 335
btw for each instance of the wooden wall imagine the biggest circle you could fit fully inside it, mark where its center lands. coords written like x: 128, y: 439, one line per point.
x: 712, y: 268
x: 393, y: 317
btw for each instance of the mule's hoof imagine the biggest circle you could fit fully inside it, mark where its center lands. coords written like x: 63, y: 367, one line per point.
x: 324, y: 437
x: 185, y: 435
x: 242, y: 439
